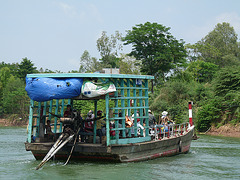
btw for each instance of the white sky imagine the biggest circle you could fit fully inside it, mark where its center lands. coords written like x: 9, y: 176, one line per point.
x: 53, y: 34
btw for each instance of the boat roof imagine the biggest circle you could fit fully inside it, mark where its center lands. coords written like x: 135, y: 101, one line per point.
x: 89, y: 75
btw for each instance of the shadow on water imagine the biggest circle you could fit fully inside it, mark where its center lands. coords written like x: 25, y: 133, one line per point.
x: 209, y: 158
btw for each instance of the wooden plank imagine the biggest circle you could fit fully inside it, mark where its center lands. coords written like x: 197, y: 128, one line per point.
x: 107, y: 119
x: 55, y: 119
x: 146, y: 108
x: 131, y: 140
x: 89, y: 75
x: 30, y: 121
x: 38, y: 119
x: 95, y: 122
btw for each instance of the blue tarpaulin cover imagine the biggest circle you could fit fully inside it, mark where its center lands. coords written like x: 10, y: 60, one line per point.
x: 45, y: 89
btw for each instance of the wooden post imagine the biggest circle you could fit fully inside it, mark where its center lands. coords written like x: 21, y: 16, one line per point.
x: 38, y: 119
x: 55, y: 119
x: 107, y: 119
x: 146, y: 108
x: 30, y: 121
x: 95, y: 122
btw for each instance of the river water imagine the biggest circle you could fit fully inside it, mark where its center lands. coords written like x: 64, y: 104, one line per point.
x: 209, y: 158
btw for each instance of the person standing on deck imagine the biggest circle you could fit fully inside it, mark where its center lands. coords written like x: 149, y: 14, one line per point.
x: 100, y: 124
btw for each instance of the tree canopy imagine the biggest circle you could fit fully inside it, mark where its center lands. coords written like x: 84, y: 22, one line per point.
x: 108, y: 48
x: 219, y: 46
x: 156, y: 48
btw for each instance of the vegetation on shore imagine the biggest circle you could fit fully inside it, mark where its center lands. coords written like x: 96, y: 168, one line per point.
x: 206, y: 73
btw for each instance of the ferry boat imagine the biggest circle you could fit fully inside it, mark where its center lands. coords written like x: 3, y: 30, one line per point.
x: 123, y: 96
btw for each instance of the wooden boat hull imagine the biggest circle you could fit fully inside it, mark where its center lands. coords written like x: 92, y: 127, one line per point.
x: 118, y: 153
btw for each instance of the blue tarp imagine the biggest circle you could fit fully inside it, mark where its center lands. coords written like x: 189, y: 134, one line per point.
x: 45, y: 89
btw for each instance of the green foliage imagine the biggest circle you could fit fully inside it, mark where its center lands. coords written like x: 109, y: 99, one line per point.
x: 224, y: 38
x: 202, y: 71
x: 88, y: 63
x: 108, y: 48
x: 156, y: 48
x: 5, y: 74
x: 25, y: 67
x: 208, y: 113
x: 227, y: 80
x: 220, y: 47
x: 128, y: 65
x: 173, y: 97
x: 15, y: 99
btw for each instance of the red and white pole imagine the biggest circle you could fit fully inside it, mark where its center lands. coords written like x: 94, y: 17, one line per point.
x: 190, y: 112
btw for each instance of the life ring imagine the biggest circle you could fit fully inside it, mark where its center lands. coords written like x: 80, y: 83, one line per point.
x: 180, y: 146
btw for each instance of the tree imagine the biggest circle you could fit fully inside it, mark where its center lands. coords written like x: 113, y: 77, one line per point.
x: 88, y: 63
x: 202, y: 71
x: 220, y: 46
x: 128, y: 65
x: 5, y: 74
x: 15, y: 99
x: 12, y: 67
x: 108, y: 48
x: 25, y: 67
x: 156, y: 48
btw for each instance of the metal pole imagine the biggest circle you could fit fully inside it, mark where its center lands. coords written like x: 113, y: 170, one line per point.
x: 190, y: 112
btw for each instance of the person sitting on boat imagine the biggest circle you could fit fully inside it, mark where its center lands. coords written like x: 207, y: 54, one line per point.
x: 68, y: 112
x: 138, y: 123
x: 49, y: 130
x: 100, y: 124
x: 88, y: 126
x: 152, y: 119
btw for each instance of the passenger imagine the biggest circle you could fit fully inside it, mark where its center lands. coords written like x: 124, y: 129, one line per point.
x: 68, y: 112
x: 137, y: 115
x: 138, y: 123
x: 100, y: 124
x: 49, y: 130
x: 164, y: 117
x: 88, y: 126
x: 152, y: 120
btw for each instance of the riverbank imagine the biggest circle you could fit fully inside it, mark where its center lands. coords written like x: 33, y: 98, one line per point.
x: 227, y: 130
x: 6, y: 122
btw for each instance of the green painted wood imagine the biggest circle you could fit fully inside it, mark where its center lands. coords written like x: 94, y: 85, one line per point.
x: 107, y: 119
x: 131, y: 140
x: 115, y: 110
x: 55, y: 118
x: 122, y: 108
x: 141, y: 110
x: 30, y: 123
x: 38, y: 119
x: 62, y: 113
x: 129, y: 97
x: 50, y: 110
x: 95, y: 122
x: 44, y: 112
x: 130, y: 88
x: 135, y: 110
x: 146, y: 108
x: 130, y: 108
x: 112, y: 119
x: 90, y: 75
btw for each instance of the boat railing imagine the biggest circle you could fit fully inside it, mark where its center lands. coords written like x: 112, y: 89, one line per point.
x: 160, y: 132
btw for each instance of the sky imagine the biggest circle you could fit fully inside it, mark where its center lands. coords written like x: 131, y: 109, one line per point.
x: 53, y: 34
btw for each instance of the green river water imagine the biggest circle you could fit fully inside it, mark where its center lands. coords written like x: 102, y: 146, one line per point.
x: 209, y: 158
